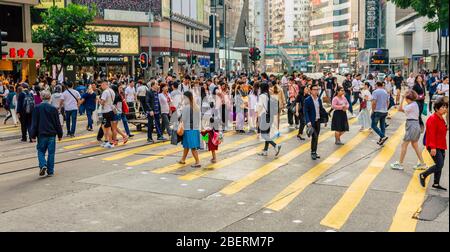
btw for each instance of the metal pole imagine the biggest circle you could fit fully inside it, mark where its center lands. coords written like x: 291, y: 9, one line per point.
x: 214, y: 34
x: 446, y: 53
x: 225, y: 37
x: 171, y: 43
x: 150, y: 20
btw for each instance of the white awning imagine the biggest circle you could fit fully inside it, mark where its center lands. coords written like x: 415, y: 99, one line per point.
x: 406, y: 29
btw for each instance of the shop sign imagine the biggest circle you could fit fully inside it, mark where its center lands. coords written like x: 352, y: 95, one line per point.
x: 372, y: 18
x: 107, y: 39
x: 164, y: 53
x: 109, y: 59
x: 21, y: 53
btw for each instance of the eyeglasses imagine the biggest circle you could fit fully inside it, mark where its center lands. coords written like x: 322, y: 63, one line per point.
x: 315, y: 89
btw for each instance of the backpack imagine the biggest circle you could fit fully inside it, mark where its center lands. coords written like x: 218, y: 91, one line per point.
x: 28, y: 103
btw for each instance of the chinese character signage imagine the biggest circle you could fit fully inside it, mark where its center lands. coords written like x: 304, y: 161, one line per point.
x: 372, y: 23
x: 107, y: 40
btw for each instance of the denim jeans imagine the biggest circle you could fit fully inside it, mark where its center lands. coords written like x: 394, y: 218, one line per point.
x: 349, y: 99
x: 46, y: 144
x: 379, y: 117
x: 437, y: 168
x: 124, y: 119
x: 71, y: 120
x: 82, y: 109
x: 89, y: 113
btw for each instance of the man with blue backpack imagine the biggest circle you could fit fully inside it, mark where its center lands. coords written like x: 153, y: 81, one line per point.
x: 25, y: 107
x: 432, y: 84
x: 81, y: 89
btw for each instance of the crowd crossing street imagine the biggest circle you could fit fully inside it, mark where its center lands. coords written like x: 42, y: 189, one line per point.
x: 232, y: 124
x: 137, y: 184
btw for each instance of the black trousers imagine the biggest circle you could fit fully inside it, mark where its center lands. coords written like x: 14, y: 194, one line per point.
x: 25, y: 124
x: 421, y: 105
x: 266, y: 145
x: 437, y: 168
x: 315, y: 136
x: 292, y: 117
x: 100, y: 134
x: 302, y: 124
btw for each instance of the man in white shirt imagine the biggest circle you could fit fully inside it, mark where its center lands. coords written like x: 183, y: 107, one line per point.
x: 70, y: 99
x: 141, y: 93
x: 356, y: 88
x: 131, y: 97
x: 106, y: 101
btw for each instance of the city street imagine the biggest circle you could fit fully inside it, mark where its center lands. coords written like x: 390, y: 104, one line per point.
x: 140, y: 187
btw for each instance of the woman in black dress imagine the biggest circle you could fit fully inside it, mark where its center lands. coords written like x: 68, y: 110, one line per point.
x: 419, y: 87
x: 339, y: 123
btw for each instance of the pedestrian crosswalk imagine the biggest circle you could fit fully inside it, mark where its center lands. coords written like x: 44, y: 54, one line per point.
x: 149, y: 159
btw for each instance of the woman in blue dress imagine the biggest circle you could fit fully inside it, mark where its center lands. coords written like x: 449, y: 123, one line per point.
x: 190, y: 117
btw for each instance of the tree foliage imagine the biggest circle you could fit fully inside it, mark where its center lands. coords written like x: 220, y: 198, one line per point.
x: 66, y: 39
x: 435, y: 10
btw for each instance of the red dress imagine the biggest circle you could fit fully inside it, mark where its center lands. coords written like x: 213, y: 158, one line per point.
x: 211, y: 146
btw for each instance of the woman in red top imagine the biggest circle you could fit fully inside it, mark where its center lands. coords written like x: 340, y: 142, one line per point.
x: 436, y: 142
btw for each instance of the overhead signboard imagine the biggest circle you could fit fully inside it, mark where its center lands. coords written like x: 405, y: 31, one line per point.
x: 107, y: 40
x: 372, y: 23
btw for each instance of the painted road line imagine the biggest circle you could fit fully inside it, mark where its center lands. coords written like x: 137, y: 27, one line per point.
x: 163, y: 153
x: 97, y: 149
x: 231, y: 160
x: 284, y: 198
x: 411, y: 202
x: 263, y: 171
x: 76, y: 146
x: 135, y: 151
x: 339, y: 214
x: 10, y: 130
x: 189, y: 161
x: 68, y: 139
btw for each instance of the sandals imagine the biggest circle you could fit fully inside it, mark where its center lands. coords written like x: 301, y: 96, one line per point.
x: 125, y: 140
x: 213, y: 161
x: 196, y: 166
x: 181, y: 162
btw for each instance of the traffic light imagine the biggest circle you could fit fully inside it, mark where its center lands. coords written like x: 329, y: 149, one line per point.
x: 2, y: 43
x: 143, y: 60
x: 194, y: 60
x: 252, y: 54
x: 160, y: 61
x: 257, y: 54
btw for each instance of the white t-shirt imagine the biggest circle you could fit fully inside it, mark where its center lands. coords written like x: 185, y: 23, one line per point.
x: 284, y: 81
x: 443, y: 87
x: 412, y: 111
x: 130, y: 94
x: 70, y: 103
x: 107, y: 96
x: 142, y: 90
x: 164, y: 104
x: 356, y: 85
x: 410, y: 82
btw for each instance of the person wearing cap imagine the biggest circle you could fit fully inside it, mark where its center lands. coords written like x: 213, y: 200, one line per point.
x: 46, y: 126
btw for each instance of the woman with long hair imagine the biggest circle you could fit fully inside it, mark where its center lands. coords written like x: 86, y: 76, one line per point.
x: 364, y: 108
x: 302, y: 95
x: 412, y: 134
x: 252, y: 103
x: 191, y: 122
x: 117, y: 103
x: 339, y: 122
x: 265, y: 114
x: 419, y: 88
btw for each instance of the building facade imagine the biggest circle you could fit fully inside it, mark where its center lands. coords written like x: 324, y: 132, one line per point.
x: 23, y: 55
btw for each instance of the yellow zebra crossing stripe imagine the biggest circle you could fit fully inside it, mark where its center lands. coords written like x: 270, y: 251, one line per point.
x: 259, y: 173
x: 98, y: 149
x: 164, y: 153
x: 285, y: 197
x: 411, y: 202
x: 189, y: 161
x: 339, y: 214
x: 135, y: 151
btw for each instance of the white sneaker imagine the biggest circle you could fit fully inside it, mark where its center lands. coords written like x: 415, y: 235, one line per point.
x: 420, y: 167
x: 397, y: 166
x: 108, y: 146
x: 263, y: 154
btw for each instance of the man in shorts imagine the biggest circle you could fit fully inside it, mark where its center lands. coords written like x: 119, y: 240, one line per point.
x: 398, y: 80
x: 106, y: 101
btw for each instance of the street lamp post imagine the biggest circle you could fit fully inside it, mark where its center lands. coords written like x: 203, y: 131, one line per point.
x: 171, y: 42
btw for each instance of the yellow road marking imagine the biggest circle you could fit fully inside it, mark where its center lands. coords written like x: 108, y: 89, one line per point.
x: 97, y: 149
x: 76, y: 146
x: 11, y: 130
x: 339, y: 214
x: 135, y: 151
x: 228, y: 161
x: 259, y: 173
x: 284, y: 198
x: 189, y: 161
x: 77, y: 138
x: 163, y: 153
x: 411, y: 202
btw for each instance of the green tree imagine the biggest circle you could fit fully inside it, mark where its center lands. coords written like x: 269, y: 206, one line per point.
x: 66, y: 39
x: 435, y: 10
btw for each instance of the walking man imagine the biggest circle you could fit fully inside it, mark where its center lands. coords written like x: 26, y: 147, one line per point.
x: 380, y: 105
x: 46, y: 126
x: 71, y: 100
x: 313, y: 112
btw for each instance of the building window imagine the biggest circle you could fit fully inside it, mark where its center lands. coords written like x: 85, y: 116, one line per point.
x: 187, y: 34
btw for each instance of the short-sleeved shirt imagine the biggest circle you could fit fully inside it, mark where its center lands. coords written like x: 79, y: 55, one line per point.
x: 398, y: 81
x: 142, y: 90
x: 108, y: 96
x: 130, y: 94
x: 356, y: 85
x: 70, y: 103
x: 412, y: 111
x: 381, y: 97
x: 89, y: 100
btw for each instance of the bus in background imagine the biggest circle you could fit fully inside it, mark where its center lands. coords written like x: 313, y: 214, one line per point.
x: 374, y: 61
x: 344, y: 69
